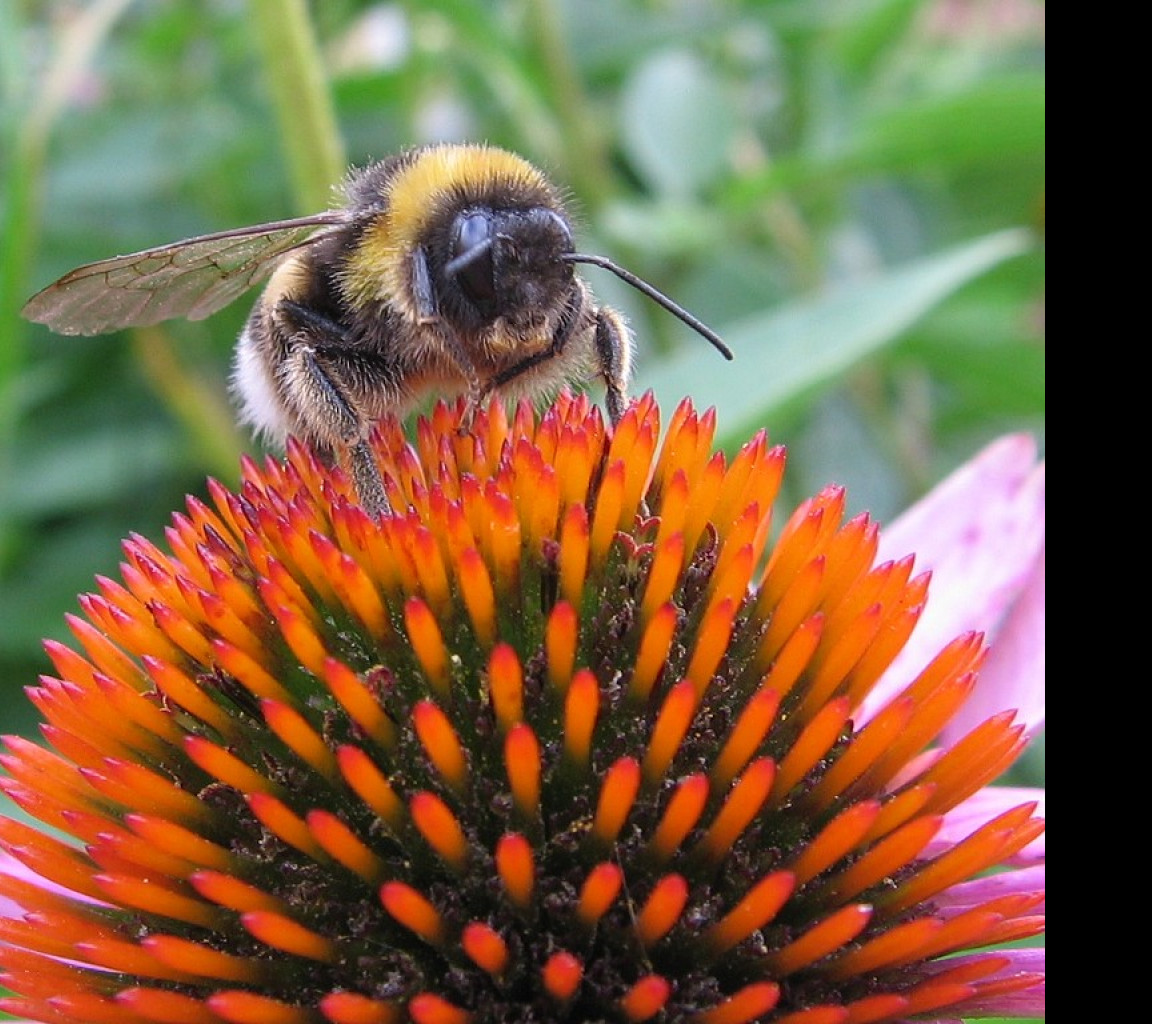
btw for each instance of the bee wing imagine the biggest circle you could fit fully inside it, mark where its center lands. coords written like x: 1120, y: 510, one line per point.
x: 190, y: 279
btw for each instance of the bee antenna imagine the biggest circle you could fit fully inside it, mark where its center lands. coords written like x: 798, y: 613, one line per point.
x: 467, y: 258
x: 655, y: 295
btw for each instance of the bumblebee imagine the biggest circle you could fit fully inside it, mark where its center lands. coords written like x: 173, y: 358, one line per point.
x: 447, y: 269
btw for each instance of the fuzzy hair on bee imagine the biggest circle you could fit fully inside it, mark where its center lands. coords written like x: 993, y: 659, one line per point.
x: 448, y: 269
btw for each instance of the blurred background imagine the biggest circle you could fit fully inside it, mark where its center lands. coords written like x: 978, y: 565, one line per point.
x: 850, y: 191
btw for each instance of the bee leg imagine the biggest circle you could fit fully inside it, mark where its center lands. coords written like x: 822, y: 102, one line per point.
x: 476, y: 391
x: 614, y: 352
x: 428, y: 312
x: 473, y: 399
x: 369, y: 484
x: 321, y: 389
x: 361, y: 462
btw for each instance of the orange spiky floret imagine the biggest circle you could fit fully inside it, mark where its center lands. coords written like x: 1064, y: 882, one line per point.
x: 566, y: 736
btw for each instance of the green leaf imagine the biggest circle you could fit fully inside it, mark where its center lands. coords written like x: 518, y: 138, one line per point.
x: 788, y: 354
x: 50, y: 575
x: 677, y: 123
x: 869, y: 32
x: 988, y: 124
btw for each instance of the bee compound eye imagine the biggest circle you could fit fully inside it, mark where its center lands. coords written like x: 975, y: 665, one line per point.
x: 561, y: 228
x: 472, y: 264
x: 473, y: 232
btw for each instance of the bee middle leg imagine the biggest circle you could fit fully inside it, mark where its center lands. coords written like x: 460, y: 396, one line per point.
x: 311, y: 374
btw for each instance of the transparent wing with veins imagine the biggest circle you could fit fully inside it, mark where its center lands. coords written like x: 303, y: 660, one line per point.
x: 190, y: 279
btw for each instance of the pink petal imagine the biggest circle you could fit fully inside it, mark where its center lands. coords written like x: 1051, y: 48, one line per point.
x: 981, y: 532
x: 981, y: 807
x: 963, y: 897
x: 1015, y: 665
x: 1028, y: 1002
x: 935, y: 1020
x: 9, y: 865
x: 989, y: 802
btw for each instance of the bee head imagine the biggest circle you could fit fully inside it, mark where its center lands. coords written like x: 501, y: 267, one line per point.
x: 505, y: 263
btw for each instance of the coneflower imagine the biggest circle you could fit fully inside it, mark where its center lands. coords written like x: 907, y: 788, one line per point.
x: 567, y: 738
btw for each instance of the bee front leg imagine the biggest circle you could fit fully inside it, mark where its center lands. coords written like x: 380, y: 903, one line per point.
x: 361, y: 462
x: 423, y: 292
x: 428, y: 314
x: 311, y: 377
x: 614, y: 353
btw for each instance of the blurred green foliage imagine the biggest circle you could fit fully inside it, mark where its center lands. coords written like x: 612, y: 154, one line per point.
x: 850, y: 191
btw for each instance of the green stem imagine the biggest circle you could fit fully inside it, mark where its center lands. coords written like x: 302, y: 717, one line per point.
x: 199, y: 406
x: 302, y: 99
x: 587, y: 155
